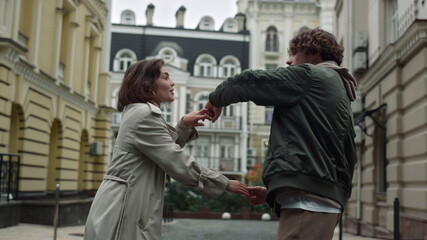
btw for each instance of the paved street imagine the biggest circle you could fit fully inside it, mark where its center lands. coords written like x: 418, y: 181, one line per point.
x: 179, y: 229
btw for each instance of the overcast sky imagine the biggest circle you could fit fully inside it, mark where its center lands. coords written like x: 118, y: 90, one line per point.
x: 164, y: 11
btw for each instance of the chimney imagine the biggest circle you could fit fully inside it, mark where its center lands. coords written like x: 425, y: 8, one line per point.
x: 180, y: 17
x: 241, y: 21
x: 149, y: 14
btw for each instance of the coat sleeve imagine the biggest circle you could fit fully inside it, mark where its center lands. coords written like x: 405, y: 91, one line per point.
x: 185, y: 134
x: 277, y: 87
x: 155, y: 142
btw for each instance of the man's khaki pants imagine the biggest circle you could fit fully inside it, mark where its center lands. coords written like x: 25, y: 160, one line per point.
x: 300, y: 224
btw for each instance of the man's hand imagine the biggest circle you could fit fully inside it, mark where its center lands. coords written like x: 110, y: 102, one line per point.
x: 192, y: 119
x: 214, y: 112
x: 235, y: 186
x: 257, y: 195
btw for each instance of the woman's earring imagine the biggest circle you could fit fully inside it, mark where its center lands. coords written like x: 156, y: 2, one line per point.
x: 154, y: 94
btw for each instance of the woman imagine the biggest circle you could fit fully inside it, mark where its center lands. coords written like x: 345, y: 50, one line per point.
x: 129, y: 202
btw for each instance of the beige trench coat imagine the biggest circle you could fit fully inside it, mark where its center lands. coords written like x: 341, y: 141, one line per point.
x: 129, y: 203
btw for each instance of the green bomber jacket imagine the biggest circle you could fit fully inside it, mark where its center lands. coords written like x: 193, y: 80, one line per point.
x: 311, y: 145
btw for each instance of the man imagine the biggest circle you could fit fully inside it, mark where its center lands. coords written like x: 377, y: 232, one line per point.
x: 309, y: 165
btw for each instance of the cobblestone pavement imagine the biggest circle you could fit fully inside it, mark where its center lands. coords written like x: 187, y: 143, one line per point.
x: 179, y: 229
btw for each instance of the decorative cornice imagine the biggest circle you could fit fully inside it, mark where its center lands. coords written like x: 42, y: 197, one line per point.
x: 396, y: 54
x: 44, y: 82
x: 11, y: 50
x: 97, y: 7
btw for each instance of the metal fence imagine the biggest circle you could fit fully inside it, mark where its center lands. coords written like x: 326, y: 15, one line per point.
x: 9, y: 175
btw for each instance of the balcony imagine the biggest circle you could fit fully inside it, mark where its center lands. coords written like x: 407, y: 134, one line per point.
x: 224, y: 165
x: 225, y: 123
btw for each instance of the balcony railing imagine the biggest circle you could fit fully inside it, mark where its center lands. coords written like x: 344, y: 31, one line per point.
x: 224, y: 123
x: 220, y: 164
x: 9, y: 175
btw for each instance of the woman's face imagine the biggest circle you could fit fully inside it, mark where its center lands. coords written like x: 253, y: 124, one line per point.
x: 165, y: 91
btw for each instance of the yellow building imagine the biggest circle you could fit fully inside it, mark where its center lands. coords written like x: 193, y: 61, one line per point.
x: 54, y: 112
x: 386, y: 48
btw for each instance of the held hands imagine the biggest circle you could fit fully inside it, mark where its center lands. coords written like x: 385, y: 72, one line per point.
x: 192, y: 119
x: 209, y: 112
x: 237, y: 187
x: 213, y: 111
x: 255, y: 195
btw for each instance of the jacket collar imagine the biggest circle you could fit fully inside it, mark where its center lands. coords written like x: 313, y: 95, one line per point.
x: 155, y: 109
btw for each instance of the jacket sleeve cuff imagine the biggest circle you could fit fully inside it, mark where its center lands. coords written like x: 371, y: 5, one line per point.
x: 211, y: 183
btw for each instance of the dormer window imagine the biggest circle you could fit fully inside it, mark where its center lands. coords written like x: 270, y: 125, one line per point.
x: 207, y: 23
x: 128, y: 17
x: 124, y: 58
x: 230, y: 25
x: 168, y: 56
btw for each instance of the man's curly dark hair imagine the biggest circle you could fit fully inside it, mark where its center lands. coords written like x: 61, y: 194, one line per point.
x: 312, y: 41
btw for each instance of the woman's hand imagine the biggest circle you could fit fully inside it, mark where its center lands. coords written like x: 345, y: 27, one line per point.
x: 192, y: 119
x: 235, y: 186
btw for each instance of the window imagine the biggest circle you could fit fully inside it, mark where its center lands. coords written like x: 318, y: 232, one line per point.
x: 127, y: 17
x: 380, y: 151
x: 201, y: 102
x: 230, y: 25
x: 394, y: 21
x: 124, y: 58
x: 207, y: 23
x: 226, y: 148
x: 271, y: 41
x: 189, y: 103
x: 168, y: 54
x: 228, y: 111
x: 167, y: 112
x: 229, y: 66
x: 205, y: 66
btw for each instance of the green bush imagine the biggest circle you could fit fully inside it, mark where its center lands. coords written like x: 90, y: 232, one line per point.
x: 187, y: 198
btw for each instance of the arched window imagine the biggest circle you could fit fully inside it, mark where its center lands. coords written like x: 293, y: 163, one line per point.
x: 230, y: 25
x: 207, y: 23
x: 200, y: 100
x: 229, y: 66
x: 127, y: 17
x: 168, y: 54
x: 271, y: 41
x: 205, y: 66
x: 124, y: 58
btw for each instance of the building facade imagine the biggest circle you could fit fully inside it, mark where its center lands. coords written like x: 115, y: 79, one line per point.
x: 54, y: 111
x: 272, y: 24
x: 386, y: 48
x: 198, y: 60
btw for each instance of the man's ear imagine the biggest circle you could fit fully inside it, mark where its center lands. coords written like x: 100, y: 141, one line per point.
x: 316, y: 58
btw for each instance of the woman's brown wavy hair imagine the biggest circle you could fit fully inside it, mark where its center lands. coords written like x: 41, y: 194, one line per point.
x: 138, y: 84
x: 312, y: 41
